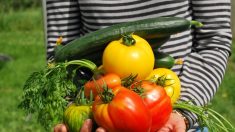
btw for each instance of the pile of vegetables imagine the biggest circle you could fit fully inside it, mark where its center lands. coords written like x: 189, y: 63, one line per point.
x: 116, y: 77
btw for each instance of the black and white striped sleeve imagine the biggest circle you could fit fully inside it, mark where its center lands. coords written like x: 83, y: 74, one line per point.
x: 203, y: 69
x: 62, y: 18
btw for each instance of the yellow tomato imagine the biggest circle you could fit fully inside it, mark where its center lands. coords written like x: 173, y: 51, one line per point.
x: 169, y: 80
x: 129, y: 55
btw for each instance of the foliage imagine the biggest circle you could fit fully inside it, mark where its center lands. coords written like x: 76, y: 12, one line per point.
x: 49, y: 91
x: 207, y: 117
x: 27, y: 50
x: 30, y: 20
x: 46, y: 92
x: 15, y: 5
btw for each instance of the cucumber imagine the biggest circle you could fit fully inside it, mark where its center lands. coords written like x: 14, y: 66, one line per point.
x: 157, y: 42
x: 163, y: 60
x: 95, y: 57
x: 160, y: 27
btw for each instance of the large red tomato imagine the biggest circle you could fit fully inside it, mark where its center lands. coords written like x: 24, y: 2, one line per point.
x: 157, y: 101
x: 121, y: 111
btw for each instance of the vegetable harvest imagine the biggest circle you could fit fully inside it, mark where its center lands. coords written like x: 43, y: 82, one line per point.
x: 130, y: 93
x: 121, y: 110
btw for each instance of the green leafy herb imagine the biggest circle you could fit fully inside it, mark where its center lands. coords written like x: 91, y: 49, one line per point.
x: 207, y: 117
x: 47, y: 93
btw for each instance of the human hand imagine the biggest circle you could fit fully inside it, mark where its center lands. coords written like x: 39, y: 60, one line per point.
x: 175, y: 123
x: 87, y: 127
x: 60, y: 128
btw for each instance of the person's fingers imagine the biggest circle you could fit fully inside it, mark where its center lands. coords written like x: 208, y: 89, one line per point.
x: 180, y: 128
x: 87, y: 126
x: 100, y: 129
x: 60, y: 128
x: 163, y: 130
x: 166, y: 128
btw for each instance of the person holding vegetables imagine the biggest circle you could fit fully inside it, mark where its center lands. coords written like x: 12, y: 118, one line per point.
x: 204, y: 50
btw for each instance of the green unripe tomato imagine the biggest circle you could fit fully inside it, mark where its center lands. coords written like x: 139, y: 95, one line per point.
x: 75, y: 115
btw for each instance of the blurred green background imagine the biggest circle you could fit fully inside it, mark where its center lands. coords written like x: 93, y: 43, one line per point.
x: 21, y: 38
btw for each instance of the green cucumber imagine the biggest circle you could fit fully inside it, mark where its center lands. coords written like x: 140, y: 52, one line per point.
x: 159, y: 27
x: 163, y: 60
x: 157, y: 42
x: 95, y: 57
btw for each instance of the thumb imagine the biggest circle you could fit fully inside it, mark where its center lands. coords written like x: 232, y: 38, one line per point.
x: 100, y: 129
x: 87, y: 126
x: 180, y: 128
x: 178, y: 122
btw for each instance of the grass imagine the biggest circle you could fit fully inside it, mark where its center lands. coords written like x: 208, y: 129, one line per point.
x: 21, y: 37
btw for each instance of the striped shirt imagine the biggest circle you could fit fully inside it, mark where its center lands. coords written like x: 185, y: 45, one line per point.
x: 205, y: 51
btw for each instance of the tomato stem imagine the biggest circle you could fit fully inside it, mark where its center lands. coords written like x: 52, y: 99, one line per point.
x: 107, y: 95
x: 128, y: 81
x: 137, y: 88
x: 161, y: 81
x: 128, y: 40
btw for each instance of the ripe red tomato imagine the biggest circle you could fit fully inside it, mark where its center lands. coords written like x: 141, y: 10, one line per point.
x: 157, y: 101
x: 110, y: 80
x: 124, y: 111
